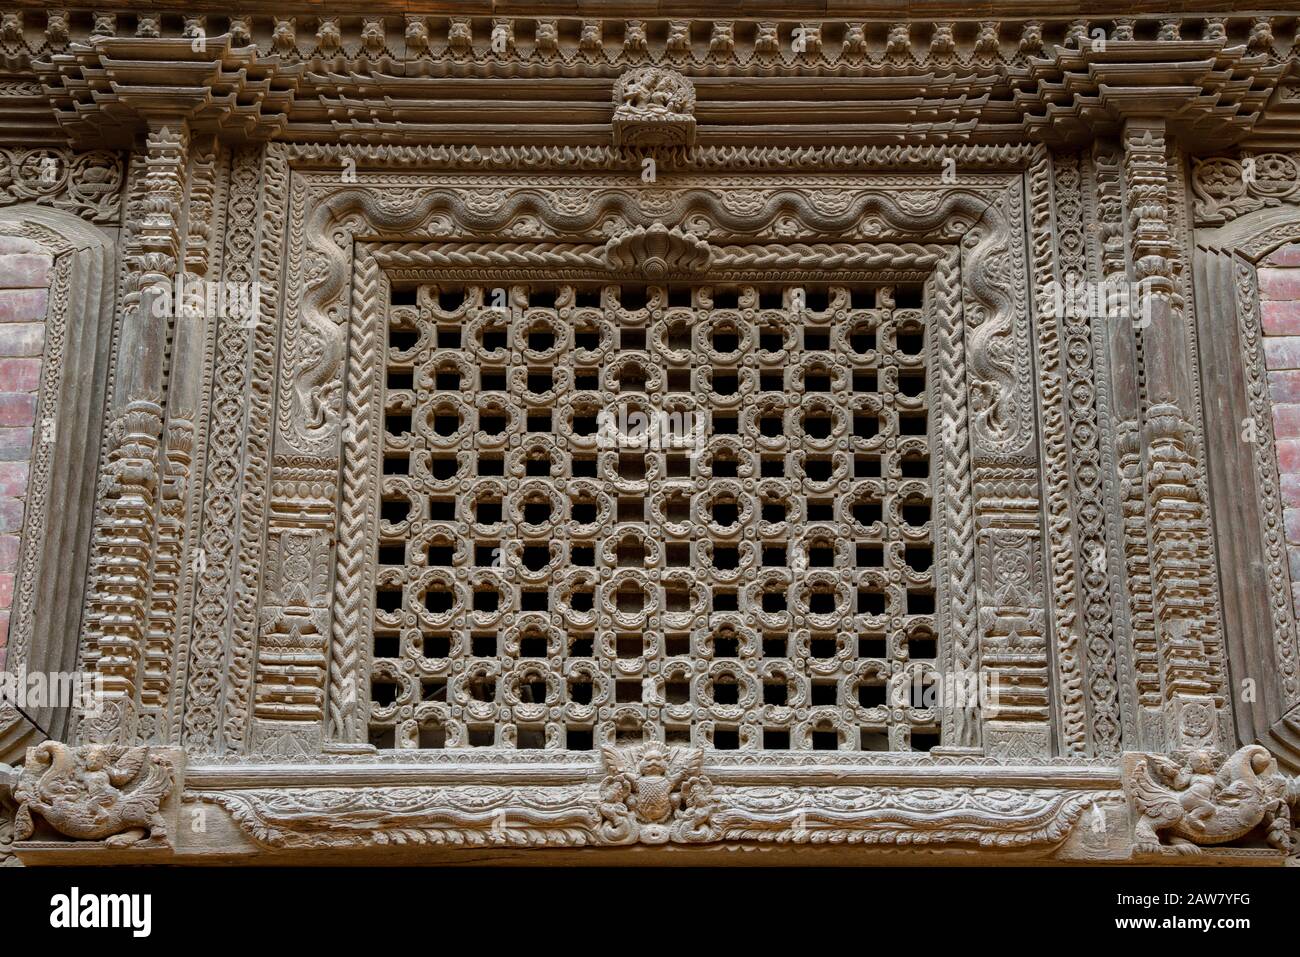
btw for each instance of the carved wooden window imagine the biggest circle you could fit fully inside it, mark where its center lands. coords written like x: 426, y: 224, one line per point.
x: 553, y: 571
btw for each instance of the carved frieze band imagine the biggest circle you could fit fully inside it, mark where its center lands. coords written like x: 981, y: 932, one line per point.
x: 597, y: 43
x: 657, y: 795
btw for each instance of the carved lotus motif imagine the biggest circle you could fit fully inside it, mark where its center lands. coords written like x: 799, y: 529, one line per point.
x: 658, y: 252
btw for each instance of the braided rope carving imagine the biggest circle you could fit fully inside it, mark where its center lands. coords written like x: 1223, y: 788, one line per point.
x: 352, y: 591
x: 954, y: 467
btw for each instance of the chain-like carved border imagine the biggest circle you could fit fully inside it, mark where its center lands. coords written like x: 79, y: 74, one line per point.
x: 1265, y: 454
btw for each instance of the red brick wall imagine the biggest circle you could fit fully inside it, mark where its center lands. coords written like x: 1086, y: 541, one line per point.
x: 1279, y: 291
x: 24, y: 277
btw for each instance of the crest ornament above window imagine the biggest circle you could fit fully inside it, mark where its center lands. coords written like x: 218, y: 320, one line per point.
x: 654, y: 107
x: 657, y: 252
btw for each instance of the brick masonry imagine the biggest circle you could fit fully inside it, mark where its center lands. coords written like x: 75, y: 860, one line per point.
x: 1279, y: 290
x: 24, y: 292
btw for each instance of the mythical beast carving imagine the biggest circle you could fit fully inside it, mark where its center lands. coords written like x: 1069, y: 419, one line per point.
x: 92, y: 793
x: 1208, y: 800
x: 654, y: 794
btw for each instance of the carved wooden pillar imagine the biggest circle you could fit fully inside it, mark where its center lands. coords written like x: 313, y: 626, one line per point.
x: 175, y: 560
x: 118, y: 623
x: 1183, y: 590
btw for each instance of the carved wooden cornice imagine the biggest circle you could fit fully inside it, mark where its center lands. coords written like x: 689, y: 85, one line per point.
x: 463, y: 79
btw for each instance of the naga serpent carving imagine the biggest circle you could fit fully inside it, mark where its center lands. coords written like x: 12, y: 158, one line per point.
x: 995, y: 406
x: 311, y: 418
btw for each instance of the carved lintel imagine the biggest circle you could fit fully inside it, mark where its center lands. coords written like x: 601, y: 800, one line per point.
x: 654, y: 107
x: 1200, y: 799
x: 102, y: 793
x: 656, y: 796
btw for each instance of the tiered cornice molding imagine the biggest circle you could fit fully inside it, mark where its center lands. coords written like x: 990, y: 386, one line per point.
x: 1211, y: 94
x: 256, y: 76
x: 103, y: 90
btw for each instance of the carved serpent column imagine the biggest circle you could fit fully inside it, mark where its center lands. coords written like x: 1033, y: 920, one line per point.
x: 297, y: 645
x: 1007, y: 491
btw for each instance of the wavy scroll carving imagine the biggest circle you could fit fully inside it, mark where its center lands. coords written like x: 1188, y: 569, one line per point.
x: 1013, y: 819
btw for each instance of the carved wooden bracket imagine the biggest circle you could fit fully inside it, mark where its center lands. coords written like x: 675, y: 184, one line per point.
x: 1211, y: 93
x: 102, y: 91
x: 1202, y: 799
x: 94, y: 798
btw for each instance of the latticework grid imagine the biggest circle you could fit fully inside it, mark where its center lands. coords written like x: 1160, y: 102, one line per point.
x: 555, y: 571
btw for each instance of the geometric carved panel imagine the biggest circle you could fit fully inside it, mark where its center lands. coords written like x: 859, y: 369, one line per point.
x: 693, y: 514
